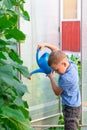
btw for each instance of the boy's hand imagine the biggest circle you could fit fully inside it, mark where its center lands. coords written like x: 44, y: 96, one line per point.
x: 50, y: 75
x: 41, y: 46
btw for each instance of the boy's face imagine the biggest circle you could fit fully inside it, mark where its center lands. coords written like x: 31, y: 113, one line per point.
x: 59, y: 68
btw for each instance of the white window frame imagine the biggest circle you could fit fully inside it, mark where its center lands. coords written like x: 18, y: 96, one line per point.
x: 78, y: 12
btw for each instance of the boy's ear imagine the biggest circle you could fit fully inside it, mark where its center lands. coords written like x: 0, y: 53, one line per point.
x: 64, y: 63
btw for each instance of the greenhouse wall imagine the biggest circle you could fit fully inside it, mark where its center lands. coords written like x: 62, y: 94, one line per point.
x: 44, y: 105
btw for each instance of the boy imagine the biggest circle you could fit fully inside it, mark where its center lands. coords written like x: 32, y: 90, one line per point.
x: 67, y: 88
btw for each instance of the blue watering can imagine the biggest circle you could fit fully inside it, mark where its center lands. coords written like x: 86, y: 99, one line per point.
x: 42, y: 63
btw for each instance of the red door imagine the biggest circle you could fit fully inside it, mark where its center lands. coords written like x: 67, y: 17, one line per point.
x: 71, y: 36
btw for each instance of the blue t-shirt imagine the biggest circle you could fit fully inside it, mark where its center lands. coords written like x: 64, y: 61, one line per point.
x: 68, y: 82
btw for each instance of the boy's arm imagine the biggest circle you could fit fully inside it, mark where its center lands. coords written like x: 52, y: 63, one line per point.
x: 50, y: 46
x: 57, y: 90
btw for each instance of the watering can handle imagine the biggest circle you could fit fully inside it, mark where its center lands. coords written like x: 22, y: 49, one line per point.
x: 37, y: 55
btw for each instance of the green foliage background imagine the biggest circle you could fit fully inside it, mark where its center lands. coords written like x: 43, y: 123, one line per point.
x: 14, y: 114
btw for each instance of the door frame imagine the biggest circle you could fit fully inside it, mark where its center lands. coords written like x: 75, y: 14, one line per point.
x: 63, y: 20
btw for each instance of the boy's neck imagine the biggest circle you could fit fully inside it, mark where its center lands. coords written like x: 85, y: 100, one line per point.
x: 68, y: 64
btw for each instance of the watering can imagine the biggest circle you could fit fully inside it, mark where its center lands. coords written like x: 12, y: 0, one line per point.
x: 42, y: 63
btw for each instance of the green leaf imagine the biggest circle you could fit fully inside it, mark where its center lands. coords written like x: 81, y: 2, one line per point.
x: 23, y: 70
x: 1, y: 102
x: 1, y: 128
x: 7, y: 21
x: 9, y: 124
x: 13, y: 113
x: 26, y: 104
x: 14, y: 56
x: 8, y: 3
x: 23, y: 12
x: 3, y: 43
x: 18, y: 101
x: 25, y: 112
x: 16, y: 34
x: 61, y: 116
x: 6, y: 45
x: 25, y: 125
x: 26, y: 15
x: 10, y: 93
x: 2, y: 56
x: 2, y: 62
x: 2, y: 11
x: 6, y: 74
x: 15, y: 117
x: 61, y: 122
x: 20, y: 87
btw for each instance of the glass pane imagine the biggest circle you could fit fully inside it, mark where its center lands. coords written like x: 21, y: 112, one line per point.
x: 69, y: 9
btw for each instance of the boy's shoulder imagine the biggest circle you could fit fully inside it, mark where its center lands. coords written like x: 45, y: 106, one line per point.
x: 72, y: 66
x: 70, y: 73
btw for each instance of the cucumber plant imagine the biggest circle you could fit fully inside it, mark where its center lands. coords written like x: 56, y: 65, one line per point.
x: 14, y: 114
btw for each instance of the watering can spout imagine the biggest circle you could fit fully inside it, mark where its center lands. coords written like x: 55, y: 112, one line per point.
x: 36, y: 71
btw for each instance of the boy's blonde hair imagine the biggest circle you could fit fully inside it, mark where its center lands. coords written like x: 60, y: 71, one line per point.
x: 56, y: 57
